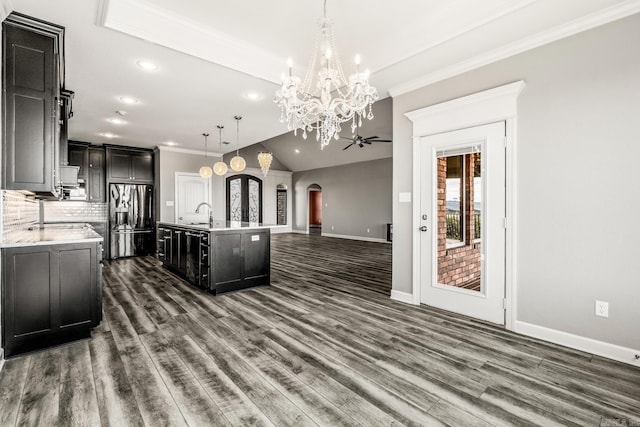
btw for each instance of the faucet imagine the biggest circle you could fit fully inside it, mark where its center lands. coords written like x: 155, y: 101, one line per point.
x: 210, y: 211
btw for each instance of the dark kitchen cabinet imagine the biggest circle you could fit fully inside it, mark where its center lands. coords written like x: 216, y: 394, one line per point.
x: 95, y: 181
x: 217, y: 260
x: 51, y: 294
x: 240, y: 259
x: 91, y: 174
x: 78, y: 155
x: 32, y: 75
x: 130, y: 166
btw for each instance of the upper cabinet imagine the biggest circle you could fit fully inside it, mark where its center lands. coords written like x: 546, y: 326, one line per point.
x: 32, y: 75
x: 91, y: 175
x: 130, y: 166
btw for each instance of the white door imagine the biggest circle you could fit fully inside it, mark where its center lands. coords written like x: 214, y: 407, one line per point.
x: 462, y: 211
x: 191, y: 190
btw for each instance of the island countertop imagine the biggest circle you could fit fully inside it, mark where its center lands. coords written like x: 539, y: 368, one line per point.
x: 222, y: 225
x: 52, y: 234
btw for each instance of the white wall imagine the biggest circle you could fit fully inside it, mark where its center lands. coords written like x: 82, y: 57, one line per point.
x: 578, y: 180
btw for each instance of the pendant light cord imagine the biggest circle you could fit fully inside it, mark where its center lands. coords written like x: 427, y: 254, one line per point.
x: 220, y: 139
x: 205, y: 146
x: 238, y: 118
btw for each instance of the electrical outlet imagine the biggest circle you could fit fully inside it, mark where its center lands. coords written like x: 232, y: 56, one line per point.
x: 368, y: 230
x: 602, y: 309
x: 332, y: 227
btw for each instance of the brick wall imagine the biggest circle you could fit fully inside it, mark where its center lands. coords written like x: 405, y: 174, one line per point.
x: 460, y: 265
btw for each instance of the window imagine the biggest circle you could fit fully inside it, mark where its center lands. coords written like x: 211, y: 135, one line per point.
x: 281, y: 205
x: 454, y: 190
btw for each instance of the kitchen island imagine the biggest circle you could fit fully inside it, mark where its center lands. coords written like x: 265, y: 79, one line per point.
x: 219, y: 257
x: 51, y: 286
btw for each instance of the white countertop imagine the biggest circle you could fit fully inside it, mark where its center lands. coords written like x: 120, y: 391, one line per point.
x: 53, y: 234
x: 223, y: 225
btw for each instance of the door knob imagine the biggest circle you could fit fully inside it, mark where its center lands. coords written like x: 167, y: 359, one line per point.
x: 423, y: 228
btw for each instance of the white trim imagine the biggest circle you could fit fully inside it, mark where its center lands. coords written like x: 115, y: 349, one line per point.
x: 258, y: 173
x: 163, y: 27
x: 576, y: 26
x: 490, y: 106
x: 599, y: 348
x: 346, y: 236
x: 300, y: 231
x: 405, y: 297
x: 188, y: 151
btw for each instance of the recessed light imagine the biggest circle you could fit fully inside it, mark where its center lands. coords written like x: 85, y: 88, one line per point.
x: 147, y: 65
x: 297, y: 151
x: 252, y: 96
x: 108, y: 135
x: 128, y: 100
x: 116, y: 121
x: 170, y: 143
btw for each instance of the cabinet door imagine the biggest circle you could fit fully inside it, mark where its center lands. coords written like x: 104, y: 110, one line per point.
x: 29, y: 293
x: 119, y: 166
x: 78, y: 156
x: 142, y: 168
x: 77, y: 272
x: 30, y: 86
x: 96, y: 182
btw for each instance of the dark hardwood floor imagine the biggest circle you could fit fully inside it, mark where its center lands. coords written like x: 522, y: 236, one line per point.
x: 323, y: 345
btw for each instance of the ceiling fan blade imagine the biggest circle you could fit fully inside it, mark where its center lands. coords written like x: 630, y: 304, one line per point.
x: 381, y: 140
x: 370, y: 137
x: 347, y: 147
x: 366, y: 142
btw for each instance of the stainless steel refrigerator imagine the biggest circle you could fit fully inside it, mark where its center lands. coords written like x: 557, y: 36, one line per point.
x: 131, y: 222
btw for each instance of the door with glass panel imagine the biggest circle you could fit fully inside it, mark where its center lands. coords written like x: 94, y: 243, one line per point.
x: 462, y: 209
x: 244, y: 198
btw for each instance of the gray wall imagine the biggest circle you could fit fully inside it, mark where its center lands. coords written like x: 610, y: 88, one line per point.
x: 354, y: 197
x: 578, y: 182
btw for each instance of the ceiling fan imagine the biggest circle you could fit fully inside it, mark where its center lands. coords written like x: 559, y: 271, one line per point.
x: 360, y: 141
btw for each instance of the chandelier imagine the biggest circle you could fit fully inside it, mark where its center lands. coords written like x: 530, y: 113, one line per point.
x: 325, y: 98
x: 238, y: 163
x: 205, y: 171
x: 220, y: 168
x: 264, y: 160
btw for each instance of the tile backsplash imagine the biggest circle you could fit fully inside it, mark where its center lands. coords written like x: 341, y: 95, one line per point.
x: 67, y: 211
x: 19, y: 212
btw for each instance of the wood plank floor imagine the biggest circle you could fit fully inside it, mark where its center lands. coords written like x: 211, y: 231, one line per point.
x: 323, y: 345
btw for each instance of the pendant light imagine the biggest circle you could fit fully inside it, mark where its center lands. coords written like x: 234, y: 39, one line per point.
x: 205, y: 171
x: 264, y: 159
x: 238, y: 163
x: 220, y: 168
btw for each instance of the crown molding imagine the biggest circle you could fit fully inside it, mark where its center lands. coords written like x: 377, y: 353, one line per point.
x: 576, y: 26
x: 149, y: 22
x: 188, y: 151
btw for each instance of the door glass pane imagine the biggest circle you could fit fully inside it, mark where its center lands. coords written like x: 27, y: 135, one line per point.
x: 459, y: 178
x: 254, y: 201
x: 235, y: 200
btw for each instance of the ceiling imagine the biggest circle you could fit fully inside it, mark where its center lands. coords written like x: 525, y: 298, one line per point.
x: 211, y: 54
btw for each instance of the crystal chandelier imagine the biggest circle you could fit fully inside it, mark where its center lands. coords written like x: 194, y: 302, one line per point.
x: 264, y: 159
x: 205, y: 171
x: 220, y: 168
x: 325, y: 98
x: 238, y: 163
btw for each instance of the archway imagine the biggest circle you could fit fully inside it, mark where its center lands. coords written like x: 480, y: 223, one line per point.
x: 314, y: 211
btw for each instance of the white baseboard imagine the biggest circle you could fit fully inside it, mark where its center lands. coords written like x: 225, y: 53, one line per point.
x: 299, y: 231
x: 279, y: 230
x: 402, y: 297
x: 344, y: 236
x: 1, y: 359
x: 600, y: 348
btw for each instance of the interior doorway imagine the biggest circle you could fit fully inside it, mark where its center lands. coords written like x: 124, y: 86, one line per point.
x: 314, y: 223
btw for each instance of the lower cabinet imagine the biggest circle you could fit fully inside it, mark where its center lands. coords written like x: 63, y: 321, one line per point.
x: 217, y: 260
x: 51, y: 294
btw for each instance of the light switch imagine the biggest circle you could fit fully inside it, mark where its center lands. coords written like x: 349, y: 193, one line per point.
x: 404, y: 197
